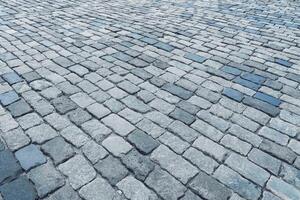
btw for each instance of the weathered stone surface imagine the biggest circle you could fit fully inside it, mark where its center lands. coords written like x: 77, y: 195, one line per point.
x: 135, y: 190
x: 98, y: 189
x: 21, y: 189
x: 78, y: 171
x: 9, y: 166
x: 139, y: 164
x: 160, y: 181
x: 173, y: 163
x: 142, y: 141
x: 118, y: 124
x: 116, y: 145
x: 112, y: 169
x: 282, y: 189
x: 30, y: 156
x: 237, y: 183
x: 46, y: 179
x: 209, y: 188
x: 64, y: 193
x: 58, y: 150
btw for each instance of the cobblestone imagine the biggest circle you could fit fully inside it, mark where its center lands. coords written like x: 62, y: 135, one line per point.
x: 120, y: 100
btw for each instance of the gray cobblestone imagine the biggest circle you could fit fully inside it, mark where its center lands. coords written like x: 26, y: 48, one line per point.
x: 172, y: 99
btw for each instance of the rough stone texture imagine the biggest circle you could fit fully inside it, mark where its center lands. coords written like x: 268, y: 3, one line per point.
x: 58, y: 150
x: 112, y: 169
x: 30, y: 156
x: 118, y: 124
x: 46, y: 179
x: 159, y: 180
x: 142, y: 141
x: 172, y: 90
x: 78, y: 170
x: 98, y: 189
x: 21, y: 189
x: 116, y: 145
x: 9, y: 166
x: 135, y: 190
x: 209, y: 188
x: 139, y: 164
x: 173, y: 163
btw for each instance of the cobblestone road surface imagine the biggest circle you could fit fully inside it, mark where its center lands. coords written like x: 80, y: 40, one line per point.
x: 149, y: 100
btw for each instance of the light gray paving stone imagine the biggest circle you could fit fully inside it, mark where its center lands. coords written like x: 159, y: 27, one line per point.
x: 236, y: 144
x: 248, y: 169
x: 78, y: 171
x: 116, y: 145
x: 278, y: 151
x: 237, y: 183
x: 265, y: 160
x: 64, y: 193
x: 136, y: 190
x: 136, y: 104
x: 207, y: 130
x: 269, y: 196
x: 273, y: 135
x: 245, y: 135
x: 282, y: 189
x: 173, y: 163
x: 82, y: 99
x: 41, y: 133
x: 75, y: 136
x: 93, y: 151
x: 203, y: 162
x: 118, y: 124
x: 131, y: 115
x: 117, y: 93
x: 162, y: 106
x: 96, y: 129
x: 284, y: 127
x: 29, y: 120
x: 98, y: 110
x: 190, y: 196
x: 209, y: 188
x: 245, y: 122
x: 200, y: 102
x: 211, y: 148
x: 174, y: 142
x: 256, y: 115
x: 160, y: 182
x: 220, y: 111
x: 57, y: 121
x: 98, y: 189
x: 7, y: 123
x: 150, y: 128
x: 213, y: 120
x: 15, y: 138
x: 46, y: 179
x: 183, y: 131
x: 159, y: 118
x: 294, y: 145
x: 290, y: 174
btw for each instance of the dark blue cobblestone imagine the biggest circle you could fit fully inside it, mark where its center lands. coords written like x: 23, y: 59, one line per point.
x: 231, y: 70
x: 267, y: 98
x: 195, y: 57
x: 283, y: 62
x: 246, y: 83
x: 233, y: 94
x: 253, y: 78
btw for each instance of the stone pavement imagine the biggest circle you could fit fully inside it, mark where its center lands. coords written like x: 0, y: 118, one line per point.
x: 149, y: 100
